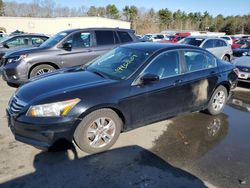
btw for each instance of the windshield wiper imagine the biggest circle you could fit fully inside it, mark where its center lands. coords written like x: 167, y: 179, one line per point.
x: 98, y: 73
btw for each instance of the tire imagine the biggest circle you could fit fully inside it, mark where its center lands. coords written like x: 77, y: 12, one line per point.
x: 89, y: 137
x: 217, y: 101
x: 226, y: 58
x: 41, y: 69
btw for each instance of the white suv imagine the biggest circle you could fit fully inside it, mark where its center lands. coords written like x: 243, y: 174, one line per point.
x: 228, y: 38
x: 218, y: 46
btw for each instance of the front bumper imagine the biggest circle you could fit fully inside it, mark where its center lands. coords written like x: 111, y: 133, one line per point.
x: 14, y: 73
x: 42, y: 135
x: 244, y: 77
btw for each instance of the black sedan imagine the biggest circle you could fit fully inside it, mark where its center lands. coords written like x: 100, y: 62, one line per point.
x: 128, y: 87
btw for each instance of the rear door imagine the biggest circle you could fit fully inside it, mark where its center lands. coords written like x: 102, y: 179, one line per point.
x: 221, y: 48
x: 200, y: 78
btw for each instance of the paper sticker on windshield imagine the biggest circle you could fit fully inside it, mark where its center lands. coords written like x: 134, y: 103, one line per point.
x: 126, y: 64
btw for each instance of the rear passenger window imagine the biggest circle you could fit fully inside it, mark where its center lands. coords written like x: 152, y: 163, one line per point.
x: 124, y: 37
x: 220, y: 43
x: 104, y: 37
x: 196, y: 61
x: 208, y: 44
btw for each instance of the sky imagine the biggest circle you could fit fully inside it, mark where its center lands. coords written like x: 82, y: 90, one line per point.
x: 214, y: 7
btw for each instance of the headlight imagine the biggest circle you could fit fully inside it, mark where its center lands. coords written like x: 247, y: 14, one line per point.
x: 57, y: 109
x: 19, y: 58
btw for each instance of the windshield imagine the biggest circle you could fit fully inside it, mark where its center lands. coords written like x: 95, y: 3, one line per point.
x: 5, y: 39
x: 52, y: 41
x: 119, y: 63
x: 192, y: 41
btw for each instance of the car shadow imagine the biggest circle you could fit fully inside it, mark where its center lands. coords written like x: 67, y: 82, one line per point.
x: 130, y: 166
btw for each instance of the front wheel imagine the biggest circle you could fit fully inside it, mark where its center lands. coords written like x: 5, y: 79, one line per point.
x: 98, y: 131
x: 41, y: 69
x: 217, y: 101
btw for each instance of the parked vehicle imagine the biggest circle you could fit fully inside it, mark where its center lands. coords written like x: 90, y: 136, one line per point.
x: 92, y: 104
x: 244, y: 50
x: 240, y: 100
x: 219, y: 47
x: 65, y: 49
x: 243, y: 65
x: 16, y: 42
x: 3, y: 35
x: 240, y: 42
x: 172, y: 39
x: 228, y: 38
x: 153, y: 37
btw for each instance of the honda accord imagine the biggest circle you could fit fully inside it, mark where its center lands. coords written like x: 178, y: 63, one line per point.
x: 130, y: 86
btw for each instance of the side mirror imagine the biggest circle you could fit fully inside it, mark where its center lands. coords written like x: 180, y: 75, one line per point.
x: 149, y: 78
x: 67, y: 46
x: 6, y: 45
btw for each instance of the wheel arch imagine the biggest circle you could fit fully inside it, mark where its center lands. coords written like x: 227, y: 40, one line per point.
x: 115, y: 108
x: 42, y: 63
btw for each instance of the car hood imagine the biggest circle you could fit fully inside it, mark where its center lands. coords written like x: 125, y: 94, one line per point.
x: 242, y: 61
x: 59, y: 82
x: 30, y: 50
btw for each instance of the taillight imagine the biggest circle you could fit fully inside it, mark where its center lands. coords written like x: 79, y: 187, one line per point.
x: 236, y: 70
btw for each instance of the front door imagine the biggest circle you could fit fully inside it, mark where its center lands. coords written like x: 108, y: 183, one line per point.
x: 160, y: 99
x: 80, y: 49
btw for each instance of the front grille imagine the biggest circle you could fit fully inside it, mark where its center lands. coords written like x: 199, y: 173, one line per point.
x: 16, y: 105
x: 244, y: 69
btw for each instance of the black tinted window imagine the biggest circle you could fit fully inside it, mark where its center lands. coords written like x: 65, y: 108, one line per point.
x: 104, y: 37
x: 208, y: 44
x: 220, y: 43
x: 192, y: 41
x: 198, y: 61
x: 165, y: 65
x: 124, y: 37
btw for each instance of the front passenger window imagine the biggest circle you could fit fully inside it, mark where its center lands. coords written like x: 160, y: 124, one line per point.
x: 164, y: 65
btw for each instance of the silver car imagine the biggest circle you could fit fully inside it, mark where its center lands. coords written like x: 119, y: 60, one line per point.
x: 218, y: 46
x: 243, y: 64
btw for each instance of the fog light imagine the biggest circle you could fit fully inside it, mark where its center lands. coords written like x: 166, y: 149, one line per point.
x: 14, y: 77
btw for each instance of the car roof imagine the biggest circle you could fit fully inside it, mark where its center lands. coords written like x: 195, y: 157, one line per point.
x: 154, y: 47
x: 97, y: 28
x: 28, y: 34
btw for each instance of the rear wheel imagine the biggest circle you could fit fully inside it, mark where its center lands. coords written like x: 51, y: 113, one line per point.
x: 41, y: 69
x: 226, y: 58
x: 217, y: 101
x: 98, y: 131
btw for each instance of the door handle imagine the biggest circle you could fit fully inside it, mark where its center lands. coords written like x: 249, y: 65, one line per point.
x: 177, y: 82
x: 212, y: 72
